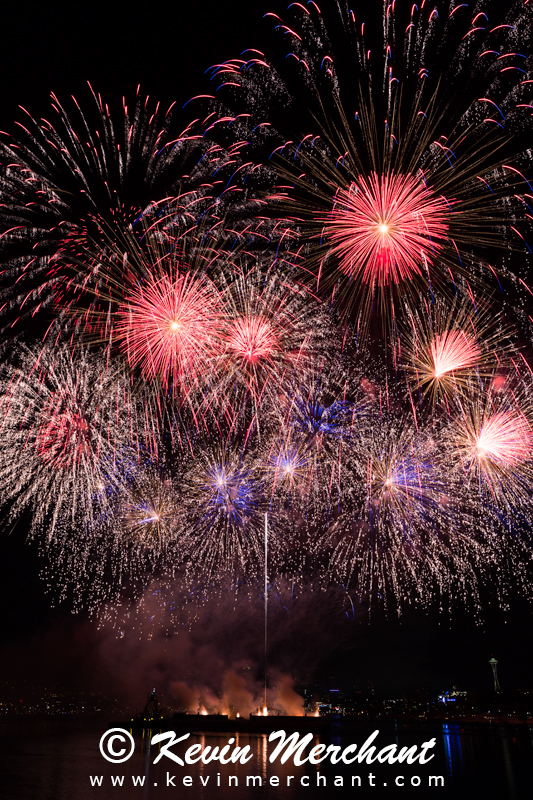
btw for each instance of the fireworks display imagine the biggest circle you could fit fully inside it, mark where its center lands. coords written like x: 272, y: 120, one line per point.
x: 397, y: 147
x: 309, y: 309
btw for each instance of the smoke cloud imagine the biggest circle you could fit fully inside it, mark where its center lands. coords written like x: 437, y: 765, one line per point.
x: 200, y: 653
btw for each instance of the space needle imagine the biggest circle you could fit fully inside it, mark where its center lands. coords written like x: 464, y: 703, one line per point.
x: 494, y: 665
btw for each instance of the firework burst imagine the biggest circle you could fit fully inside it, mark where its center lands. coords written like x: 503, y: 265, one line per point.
x: 492, y: 442
x: 290, y: 468
x: 451, y: 351
x: 386, y: 229
x: 323, y: 412
x: 170, y: 327
x: 273, y: 333
x: 66, y: 421
x: 447, y: 347
x: 223, y: 505
x: 313, y: 431
x: 76, y: 185
x: 405, y: 178
x: 147, y: 516
x: 396, y: 536
x: 158, y: 304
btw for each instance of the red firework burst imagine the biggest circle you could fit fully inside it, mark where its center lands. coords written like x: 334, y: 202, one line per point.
x: 386, y: 229
x: 253, y: 339
x: 272, y: 333
x: 170, y: 328
x: 63, y: 436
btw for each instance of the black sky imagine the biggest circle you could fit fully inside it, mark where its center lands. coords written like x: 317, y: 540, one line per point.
x: 166, y: 47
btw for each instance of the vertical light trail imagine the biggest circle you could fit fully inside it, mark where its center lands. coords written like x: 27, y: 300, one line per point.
x: 265, y: 707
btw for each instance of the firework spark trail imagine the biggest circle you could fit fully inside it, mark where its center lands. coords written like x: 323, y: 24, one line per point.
x: 219, y: 628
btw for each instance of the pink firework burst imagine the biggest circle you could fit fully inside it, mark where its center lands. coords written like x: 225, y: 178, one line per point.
x: 453, y: 350
x: 169, y: 327
x: 253, y: 339
x: 386, y: 229
x: 446, y: 348
x: 504, y: 438
x: 63, y: 437
x: 273, y: 332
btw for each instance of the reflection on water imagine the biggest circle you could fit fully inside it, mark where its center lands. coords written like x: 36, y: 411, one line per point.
x: 55, y: 761
x: 452, y: 746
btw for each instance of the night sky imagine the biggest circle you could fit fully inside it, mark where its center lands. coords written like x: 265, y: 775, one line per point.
x: 166, y: 47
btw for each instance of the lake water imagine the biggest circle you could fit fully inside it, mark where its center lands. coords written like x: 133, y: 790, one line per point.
x: 57, y: 760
